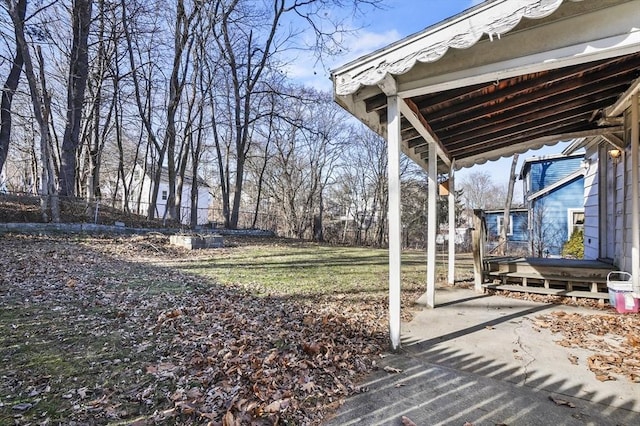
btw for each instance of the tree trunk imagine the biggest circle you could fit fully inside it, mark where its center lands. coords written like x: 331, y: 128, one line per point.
x: 507, y: 208
x: 78, y: 72
x: 41, y: 113
x: 9, y: 89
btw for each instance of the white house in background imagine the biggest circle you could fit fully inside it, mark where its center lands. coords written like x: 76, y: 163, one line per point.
x: 142, y: 187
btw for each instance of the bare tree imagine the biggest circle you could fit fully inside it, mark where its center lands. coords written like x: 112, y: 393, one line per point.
x: 41, y: 110
x: 362, y: 190
x: 480, y: 192
x: 77, y: 82
x: 9, y: 89
x: 248, y: 38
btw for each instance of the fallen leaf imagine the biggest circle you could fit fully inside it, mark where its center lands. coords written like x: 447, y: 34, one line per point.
x: 392, y: 370
x: 311, y: 348
x: 633, y: 340
x: 406, y: 421
x: 309, y: 387
x: 228, y: 419
x: 559, y: 401
x: 23, y: 406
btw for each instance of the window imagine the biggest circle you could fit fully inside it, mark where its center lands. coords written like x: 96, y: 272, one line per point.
x: 575, y: 220
x: 500, y: 220
x: 164, y: 195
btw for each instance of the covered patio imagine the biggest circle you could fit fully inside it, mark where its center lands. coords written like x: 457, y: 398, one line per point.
x: 500, y: 78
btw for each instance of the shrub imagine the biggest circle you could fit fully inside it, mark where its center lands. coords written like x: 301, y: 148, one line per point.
x: 574, y: 248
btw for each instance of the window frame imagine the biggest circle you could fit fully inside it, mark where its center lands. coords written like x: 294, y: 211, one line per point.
x: 499, y: 221
x: 570, y: 224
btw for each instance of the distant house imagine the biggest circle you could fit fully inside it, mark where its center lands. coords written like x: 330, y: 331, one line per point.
x: 554, y: 195
x: 142, y: 187
x: 518, y: 232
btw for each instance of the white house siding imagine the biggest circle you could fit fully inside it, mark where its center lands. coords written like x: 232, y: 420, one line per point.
x: 624, y: 224
x: 591, y: 216
x: 204, y: 200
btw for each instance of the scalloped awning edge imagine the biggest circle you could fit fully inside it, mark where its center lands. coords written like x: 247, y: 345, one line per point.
x: 430, y: 45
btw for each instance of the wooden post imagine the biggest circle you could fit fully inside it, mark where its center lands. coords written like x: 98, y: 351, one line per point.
x: 432, y: 221
x: 452, y: 226
x: 395, y: 226
x: 477, y: 244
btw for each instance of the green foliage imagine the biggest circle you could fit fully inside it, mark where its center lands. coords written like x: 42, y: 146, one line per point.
x: 575, y: 246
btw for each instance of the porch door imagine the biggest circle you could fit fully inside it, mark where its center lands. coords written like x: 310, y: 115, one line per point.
x: 607, y: 205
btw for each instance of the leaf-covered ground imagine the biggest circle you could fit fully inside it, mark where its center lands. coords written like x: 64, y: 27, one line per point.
x: 614, y: 340
x: 130, y: 330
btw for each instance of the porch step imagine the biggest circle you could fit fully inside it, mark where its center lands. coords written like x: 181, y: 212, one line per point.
x: 563, y: 268
x: 593, y: 283
x: 574, y: 294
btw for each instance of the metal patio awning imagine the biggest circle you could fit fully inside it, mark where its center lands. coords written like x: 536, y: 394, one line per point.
x: 502, y: 78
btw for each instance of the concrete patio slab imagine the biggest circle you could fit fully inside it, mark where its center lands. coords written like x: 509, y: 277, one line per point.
x: 481, y: 359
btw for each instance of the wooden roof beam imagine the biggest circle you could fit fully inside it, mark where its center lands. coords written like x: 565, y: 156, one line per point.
x: 615, y: 141
x: 522, y: 83
x: 521, y: 128
x: 603, y: 83
x: 411, y: 112
x: 624, y: 101
x: 563, y: 104
x: 542, y: 90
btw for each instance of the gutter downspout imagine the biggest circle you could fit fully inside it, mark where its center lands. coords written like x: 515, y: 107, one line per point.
x: 635, y: 197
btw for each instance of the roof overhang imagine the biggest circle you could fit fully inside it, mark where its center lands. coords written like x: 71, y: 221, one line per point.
x: 501, y: 78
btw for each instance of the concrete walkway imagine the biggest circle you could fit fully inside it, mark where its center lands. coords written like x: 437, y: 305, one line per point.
x: 480, y: 359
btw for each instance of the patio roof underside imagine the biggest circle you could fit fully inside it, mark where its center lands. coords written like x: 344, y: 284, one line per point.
x: 486, y: 121
x: 501, y: 78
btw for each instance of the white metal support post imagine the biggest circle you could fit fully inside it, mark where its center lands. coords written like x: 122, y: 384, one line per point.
x: 431, y: 225
x: 635, y: 195
x: 395, y: 226
x: 452, y: 225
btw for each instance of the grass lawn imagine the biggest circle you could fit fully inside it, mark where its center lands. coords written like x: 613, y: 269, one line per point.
x: 308, y: 269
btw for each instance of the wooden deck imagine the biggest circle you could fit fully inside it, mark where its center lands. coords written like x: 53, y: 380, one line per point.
x: 560, y: 277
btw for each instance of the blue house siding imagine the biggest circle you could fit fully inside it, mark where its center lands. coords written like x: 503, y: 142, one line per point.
x: 519, y: 217
x: 543, y: 172
x: 551, y: 211
x: 554, y: 187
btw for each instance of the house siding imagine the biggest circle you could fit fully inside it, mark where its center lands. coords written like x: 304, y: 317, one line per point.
x: 544, y: 173
x: 591, y: 214
x: 520, y: 222
x: 549, y: 211
x: 143, y: 185
x: 553, y: 209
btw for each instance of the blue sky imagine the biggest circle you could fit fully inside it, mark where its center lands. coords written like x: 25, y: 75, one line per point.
x: 396, y: 20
